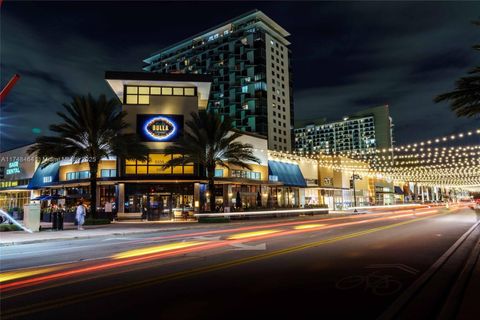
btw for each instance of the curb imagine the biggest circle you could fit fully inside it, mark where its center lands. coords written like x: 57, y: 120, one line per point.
x: 15, y: 243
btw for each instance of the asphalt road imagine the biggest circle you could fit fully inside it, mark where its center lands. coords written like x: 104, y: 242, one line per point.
x: 346, y: 267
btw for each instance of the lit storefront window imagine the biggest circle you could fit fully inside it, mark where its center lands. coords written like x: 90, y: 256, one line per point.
x: 155, y: 166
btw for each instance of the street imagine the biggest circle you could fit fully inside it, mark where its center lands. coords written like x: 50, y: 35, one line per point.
x: 338, y: 267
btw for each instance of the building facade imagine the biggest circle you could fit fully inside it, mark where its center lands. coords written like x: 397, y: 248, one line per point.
x: 366, y: 130
x: 249, y: 61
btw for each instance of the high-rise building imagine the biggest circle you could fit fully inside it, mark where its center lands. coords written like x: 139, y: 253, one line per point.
x: 365, y: 130
x: 249, y: 60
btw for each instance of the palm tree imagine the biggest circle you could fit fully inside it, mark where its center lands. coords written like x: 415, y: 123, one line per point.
x: 465, y: 99
x: 92, y: 129
x: 210, y: 142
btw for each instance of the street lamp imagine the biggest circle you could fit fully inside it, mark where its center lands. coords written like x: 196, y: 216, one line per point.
x: 352, y: 181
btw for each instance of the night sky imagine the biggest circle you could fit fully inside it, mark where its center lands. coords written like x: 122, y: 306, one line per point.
x: 346, y: 56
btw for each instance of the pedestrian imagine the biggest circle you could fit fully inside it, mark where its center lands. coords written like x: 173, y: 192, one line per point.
x: 80, y: 215
x: 61, y: 215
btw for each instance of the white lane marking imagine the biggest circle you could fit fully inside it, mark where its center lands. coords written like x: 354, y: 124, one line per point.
x: 400, y: 266
x: 243, y: 246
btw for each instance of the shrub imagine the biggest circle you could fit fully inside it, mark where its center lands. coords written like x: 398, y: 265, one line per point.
x: 8, y: 227
x: 213, y: 219
x: 93, y: 222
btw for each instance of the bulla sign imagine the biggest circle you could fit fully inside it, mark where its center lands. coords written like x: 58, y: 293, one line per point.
x: 160, y: 128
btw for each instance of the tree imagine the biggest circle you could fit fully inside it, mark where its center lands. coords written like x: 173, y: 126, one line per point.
x: 465, y: 99
x: 210, y: 142
x: 92, y: 129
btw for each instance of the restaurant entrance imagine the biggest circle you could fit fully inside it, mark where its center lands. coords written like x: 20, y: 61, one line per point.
x: 159, y: 206
x: 160, y: 201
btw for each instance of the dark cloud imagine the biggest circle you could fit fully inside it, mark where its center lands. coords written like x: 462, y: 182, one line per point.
x: 347, y: 56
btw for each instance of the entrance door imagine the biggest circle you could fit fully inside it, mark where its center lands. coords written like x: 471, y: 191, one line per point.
x: 159, y: 206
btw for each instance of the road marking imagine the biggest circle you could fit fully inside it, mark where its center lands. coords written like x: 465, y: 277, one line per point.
x: 394, y: 265
x: 252, y: 234
x: 156, y: 249
x: 308, y: 226
x: 13, y: 275
x: 407, y: 295
x: 60, y: 302
x: 244, y: 246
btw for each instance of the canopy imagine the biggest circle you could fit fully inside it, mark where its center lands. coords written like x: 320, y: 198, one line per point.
x: 45, y: 176
x: 398, y: 190
x: 288, y: 173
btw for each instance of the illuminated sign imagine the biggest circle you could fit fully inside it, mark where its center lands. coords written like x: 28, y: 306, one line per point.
x: 13, y: 167
x: 159, y: 128
x: 7, y: 184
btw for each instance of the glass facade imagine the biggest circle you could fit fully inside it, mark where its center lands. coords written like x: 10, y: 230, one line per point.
x: 155, y: 164
x: 236, y: 56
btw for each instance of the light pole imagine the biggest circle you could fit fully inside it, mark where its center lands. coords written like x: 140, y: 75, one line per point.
x: 354, y: 177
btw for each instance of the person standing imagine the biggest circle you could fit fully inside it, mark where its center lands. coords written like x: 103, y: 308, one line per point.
x: 80, y: 215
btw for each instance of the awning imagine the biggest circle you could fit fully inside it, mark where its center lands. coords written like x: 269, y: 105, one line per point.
x: 288, y: 173
x: 39, y: 198
x: 398, y: 190
x: 44, y: 177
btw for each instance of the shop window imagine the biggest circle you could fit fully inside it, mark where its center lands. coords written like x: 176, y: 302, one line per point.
x: 130, y: 169
x: 130, y: 162
x: 105, y: 173
x: 141, y: 169
x: 178, y: 170
x: 188, y: 169
x: 159, y: 159
x: 159, y: 170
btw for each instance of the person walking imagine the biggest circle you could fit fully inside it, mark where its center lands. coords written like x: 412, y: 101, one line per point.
x: 80, y: 215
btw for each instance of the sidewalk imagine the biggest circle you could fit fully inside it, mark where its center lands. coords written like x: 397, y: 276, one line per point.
x: 114, y: 229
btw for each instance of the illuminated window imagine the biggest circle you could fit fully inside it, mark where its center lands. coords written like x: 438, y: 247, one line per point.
x: 143, y: 90
x: 155, y: 90
x: 178, y: 170
x: 130, y: 162
x: 144, y: 99
x: 159, y: 159
x: 132, y: 90
x: 141, y: 169
x: 155, y: 164
x: 159, y: 170
x: 167, y: 91
x: 189, y: 91
x: 132, y: 99
x: 178, y: 91
x: 130, y: 169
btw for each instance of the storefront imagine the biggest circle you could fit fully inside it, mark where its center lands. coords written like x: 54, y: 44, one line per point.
x: 17, y: 169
